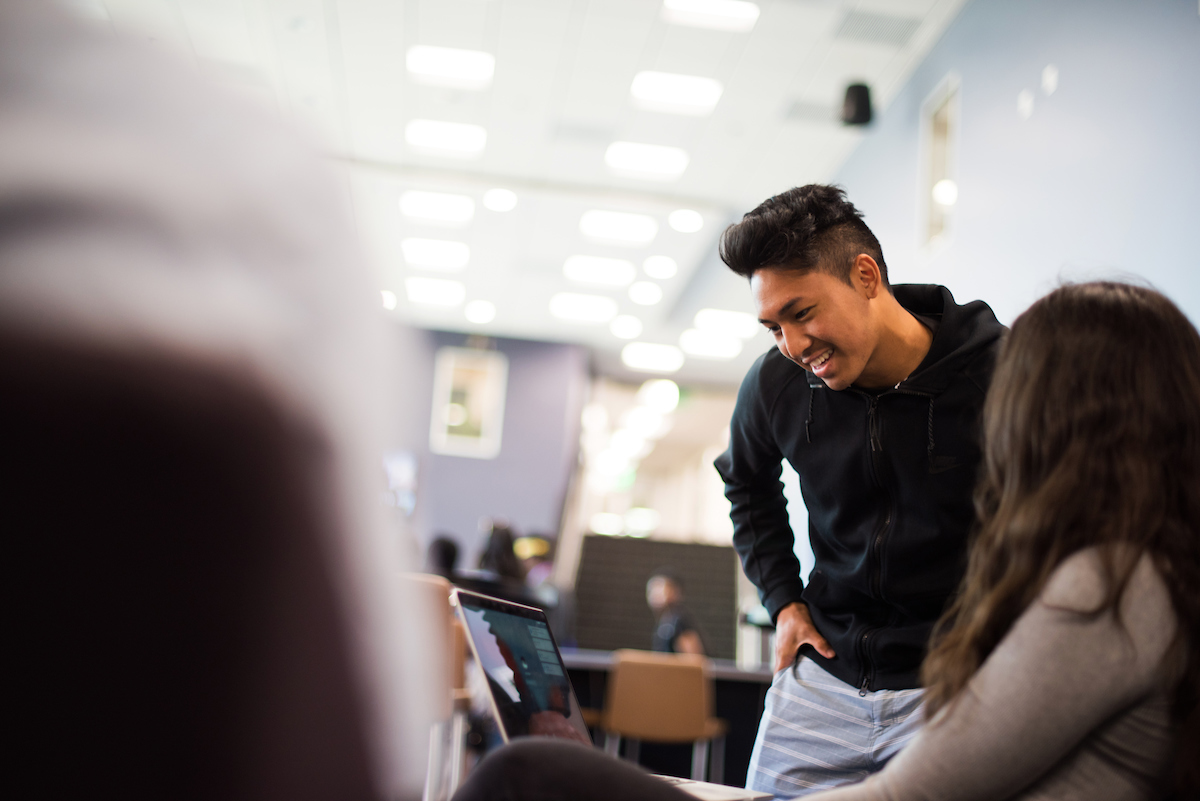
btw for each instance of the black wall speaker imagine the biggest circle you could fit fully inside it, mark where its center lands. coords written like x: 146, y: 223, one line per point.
x: 856, y: 109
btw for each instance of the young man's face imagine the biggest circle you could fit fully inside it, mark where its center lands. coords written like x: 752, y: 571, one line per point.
x: 819, y: 321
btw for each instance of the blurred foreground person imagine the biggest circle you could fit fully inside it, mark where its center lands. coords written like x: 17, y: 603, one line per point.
x: 202, y: 595
x: 1069, y: 665
x: 675, y: 630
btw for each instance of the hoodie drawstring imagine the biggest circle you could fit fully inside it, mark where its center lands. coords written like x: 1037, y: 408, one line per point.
x: 930, y: 449
x: 808, y: 420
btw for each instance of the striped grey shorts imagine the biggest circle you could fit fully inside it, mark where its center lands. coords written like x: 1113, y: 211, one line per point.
x: 817, y: 732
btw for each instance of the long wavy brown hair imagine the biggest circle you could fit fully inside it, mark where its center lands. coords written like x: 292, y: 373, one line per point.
x: 1091, y: 438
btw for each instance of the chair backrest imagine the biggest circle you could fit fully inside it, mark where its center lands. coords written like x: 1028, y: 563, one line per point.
x: 658, y: 697
x: 432, y: 594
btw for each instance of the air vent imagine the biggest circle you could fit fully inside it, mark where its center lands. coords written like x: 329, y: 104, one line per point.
x: 882, y: 29
x: 802, y: 111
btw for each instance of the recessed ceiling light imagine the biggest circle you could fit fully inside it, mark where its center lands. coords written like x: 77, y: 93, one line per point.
x: 645, y: 293
x: 641, y: 521
x: 629, y: 444
x: 659, y: 394
x: 675, y: 94
x: 448, y: 66
x: 452, y: 139
x: 652, y: 162
x: 636, y: 230
x: 435, y: 291
x: 598, y: 270
x: 389, y: 299
x: 727, y: 323
x: 645, y: 422
x: 436, y: 254
x: 660, y: 267
x: 626, y: 326
x: 719, y: 15
x: 576, y: 308
x: 607, y: 523
x: 437, y: 207
x: 480, y: 311
x: 706, y: 345
x: 685, y: 221
x: 499, y: 200
x: 648, y: 358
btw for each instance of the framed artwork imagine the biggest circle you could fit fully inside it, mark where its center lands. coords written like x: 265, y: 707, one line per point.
x: 468, y: 402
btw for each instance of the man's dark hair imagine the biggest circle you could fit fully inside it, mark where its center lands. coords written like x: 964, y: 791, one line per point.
x: 810, y: 227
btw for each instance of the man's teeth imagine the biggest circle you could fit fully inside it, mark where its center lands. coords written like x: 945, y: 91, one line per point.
x: 824, y: 357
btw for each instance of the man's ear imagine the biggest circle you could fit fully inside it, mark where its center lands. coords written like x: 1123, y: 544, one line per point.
x: 865, y: 275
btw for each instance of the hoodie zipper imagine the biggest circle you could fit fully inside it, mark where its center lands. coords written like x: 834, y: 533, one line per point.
x: 877, y: 541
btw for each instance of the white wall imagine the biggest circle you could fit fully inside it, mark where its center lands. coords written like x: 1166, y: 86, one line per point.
x: 1102, y: 180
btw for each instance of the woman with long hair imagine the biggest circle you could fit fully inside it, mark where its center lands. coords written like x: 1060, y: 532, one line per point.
x: 1068, y: 667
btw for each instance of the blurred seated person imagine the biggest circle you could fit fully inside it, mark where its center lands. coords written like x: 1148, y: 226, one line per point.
x: 536, y: 553
x: 1068, y: 665
x: 675, y: 630
x: 202, y: 596
x: 500, y: 572
x: 442, y: 557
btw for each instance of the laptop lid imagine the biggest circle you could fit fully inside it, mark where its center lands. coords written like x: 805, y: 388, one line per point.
x: 528, y: 687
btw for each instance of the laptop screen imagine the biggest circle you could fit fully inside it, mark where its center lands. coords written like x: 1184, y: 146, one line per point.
x: 531, y: 694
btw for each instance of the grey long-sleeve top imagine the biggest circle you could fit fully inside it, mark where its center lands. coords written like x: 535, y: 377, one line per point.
x: 1068, y: 706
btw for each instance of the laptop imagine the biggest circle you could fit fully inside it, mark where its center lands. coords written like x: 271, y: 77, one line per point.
x: 529, y: 692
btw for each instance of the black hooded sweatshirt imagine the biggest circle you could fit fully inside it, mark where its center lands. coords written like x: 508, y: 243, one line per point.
x: 887, y: 476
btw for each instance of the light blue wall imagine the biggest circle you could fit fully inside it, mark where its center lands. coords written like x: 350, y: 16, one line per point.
x: 527, y: 482
x: 1102, y: 180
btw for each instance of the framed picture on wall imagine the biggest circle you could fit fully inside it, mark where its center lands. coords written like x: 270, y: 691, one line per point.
x: 468, y: 402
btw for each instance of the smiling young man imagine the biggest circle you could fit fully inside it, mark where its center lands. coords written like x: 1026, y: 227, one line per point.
x: 873, y: 395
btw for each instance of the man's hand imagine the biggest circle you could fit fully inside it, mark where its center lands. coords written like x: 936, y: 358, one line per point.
x: 793, y: 628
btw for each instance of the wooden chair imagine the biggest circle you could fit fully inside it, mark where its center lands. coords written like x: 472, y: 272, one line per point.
x: 663, y: 698
x: 447, y: 738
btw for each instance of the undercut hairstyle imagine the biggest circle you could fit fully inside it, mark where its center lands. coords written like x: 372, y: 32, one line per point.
x: 1091, y: 438
x: 811, y: 227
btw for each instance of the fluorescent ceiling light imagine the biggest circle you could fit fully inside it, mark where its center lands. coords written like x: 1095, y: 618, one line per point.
x: 598, y: 270
x: 636, y: 230
x: 448, y: 66
x: 660, y: 267
x: 652, y: 162
x: 480, y: 311
x: 727, y: 323
x: 718, y: 15
x: 706, y: 345
x: 659, y: 394
x: 437, y: 207
x: 645, y: 293
x: 626, y: 326
x: 685, y: 221
x: 499, y: 200
x: 675, y: 94
x: 435, y: 291
x: 576, y: 308
x: 436, y: 254
x: 647, y: 358
x: 452, y: 139
x: 389, y: 300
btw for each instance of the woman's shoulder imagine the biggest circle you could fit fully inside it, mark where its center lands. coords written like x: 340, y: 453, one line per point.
x: 1081, y: 584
